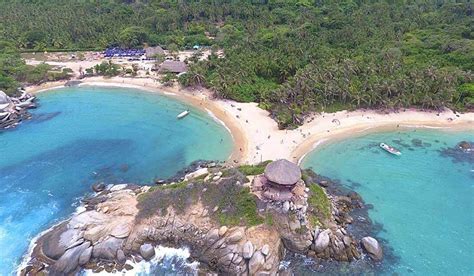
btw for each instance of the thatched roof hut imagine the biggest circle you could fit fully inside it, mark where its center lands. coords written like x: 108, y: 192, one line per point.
x: 151, y: 52
x: 173, y: 66
x: 283, y: 172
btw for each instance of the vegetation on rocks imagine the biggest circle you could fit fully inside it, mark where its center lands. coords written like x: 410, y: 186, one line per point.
x: 318, y: 201
x: 226, y: 202
x: 253, y: 169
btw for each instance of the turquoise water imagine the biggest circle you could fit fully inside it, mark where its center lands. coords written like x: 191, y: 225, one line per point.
x: 79, y: 136
x: 424, y: 199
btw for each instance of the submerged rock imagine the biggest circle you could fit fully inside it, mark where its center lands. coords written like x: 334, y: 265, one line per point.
x: 462, y: 152
x: 98, y: 187
x: 466, y: 146
x: 372, y: 247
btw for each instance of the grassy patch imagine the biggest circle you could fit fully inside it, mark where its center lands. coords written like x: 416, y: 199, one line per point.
x: 237, y: 206
x: 175, y: 186
x: 241, y: 209
x: 320, y: 206
x: 254, y: 169
x: 269, y: 220
x: 156, y: 201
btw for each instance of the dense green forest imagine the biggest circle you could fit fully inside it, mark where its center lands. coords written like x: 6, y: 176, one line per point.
x: 14, y: 71
x: 291, y: 56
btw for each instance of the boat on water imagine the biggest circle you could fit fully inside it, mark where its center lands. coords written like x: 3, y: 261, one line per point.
x: 183, y: 114
x: 390, y: 149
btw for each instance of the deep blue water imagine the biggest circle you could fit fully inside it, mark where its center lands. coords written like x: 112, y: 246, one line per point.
x: 424, y: 199
x: 79, y: 136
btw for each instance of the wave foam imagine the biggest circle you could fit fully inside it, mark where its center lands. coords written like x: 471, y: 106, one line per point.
x: 165, y: 259
x: 218, y: 120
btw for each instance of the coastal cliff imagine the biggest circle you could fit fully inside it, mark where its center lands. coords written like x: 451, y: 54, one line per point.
x: 235, y: 221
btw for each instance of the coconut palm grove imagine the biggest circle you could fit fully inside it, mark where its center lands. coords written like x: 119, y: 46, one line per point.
x: 292, y: 57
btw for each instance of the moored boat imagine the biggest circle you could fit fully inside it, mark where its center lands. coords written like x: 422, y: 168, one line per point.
x: 390, y: 149
x: 182, y: 114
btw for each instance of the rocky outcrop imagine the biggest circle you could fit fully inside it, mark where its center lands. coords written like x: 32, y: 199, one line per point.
x: 13, y: 110
x: 112, y: 230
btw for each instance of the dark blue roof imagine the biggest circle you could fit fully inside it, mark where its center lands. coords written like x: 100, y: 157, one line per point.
x: 119, y: 52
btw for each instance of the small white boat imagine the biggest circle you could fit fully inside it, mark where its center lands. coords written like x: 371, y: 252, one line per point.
x: 183, y: 114
x: 390, y: 149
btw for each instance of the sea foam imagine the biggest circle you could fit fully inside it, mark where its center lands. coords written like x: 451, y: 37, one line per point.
x: 166, y: 258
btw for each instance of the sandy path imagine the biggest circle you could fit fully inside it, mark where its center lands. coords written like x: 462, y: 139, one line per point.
x: 257, y: 137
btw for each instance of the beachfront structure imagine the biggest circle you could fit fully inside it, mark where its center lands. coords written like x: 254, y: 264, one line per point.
x: 119, y: 52
x: 282, y: 173
x: 151, y: 52
x: 173, y: 66
x: 281, y: 181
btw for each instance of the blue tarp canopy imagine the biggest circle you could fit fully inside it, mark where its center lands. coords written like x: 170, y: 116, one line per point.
x: 119, y: 52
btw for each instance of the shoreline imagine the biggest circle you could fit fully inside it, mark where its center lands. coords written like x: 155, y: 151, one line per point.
x: 199, y: 100
x: 256, y: 135
x: 316, y: 141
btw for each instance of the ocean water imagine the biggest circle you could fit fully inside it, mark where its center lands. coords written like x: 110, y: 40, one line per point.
x: 424, y: 199
x: 83, y: 135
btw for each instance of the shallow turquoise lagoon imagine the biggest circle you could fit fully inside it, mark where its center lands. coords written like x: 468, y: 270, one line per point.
x: 79, y: 136
x: 424, y: 199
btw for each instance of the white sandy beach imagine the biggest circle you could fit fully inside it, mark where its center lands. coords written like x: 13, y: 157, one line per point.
x: 256, y: 135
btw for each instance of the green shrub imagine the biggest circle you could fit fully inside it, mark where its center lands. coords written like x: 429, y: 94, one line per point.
x: 319, y: 201
x: 236, y: 205
x: 254, y: 169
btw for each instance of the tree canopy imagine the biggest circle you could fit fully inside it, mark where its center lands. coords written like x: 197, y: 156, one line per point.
x: 291, y: 56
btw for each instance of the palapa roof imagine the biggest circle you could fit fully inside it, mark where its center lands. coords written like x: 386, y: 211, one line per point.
x: 152, y: 51
x: 283, y: 172
x: 173, y: 66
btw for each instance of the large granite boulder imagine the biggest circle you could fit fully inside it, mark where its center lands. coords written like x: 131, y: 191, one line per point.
x: 256, y: 262
x: 372, y: 247
x: 322, y: 241
x: 59, y: 239
x: 107, y: 249
x: 70, y: 260
x: 247, y: 250
x: 147, y: 251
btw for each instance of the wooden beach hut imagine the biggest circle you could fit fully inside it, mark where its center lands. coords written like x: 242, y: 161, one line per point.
x: 173, y: 66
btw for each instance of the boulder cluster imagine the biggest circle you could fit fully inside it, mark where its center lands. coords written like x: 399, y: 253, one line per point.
x: 13, y: 110
x: 289, y: 205
x: 109, y: 232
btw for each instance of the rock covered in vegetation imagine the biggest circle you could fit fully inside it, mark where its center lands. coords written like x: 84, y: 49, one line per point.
x: 217, y: 219
x: 13, y: 110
